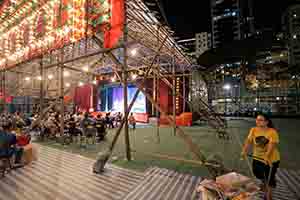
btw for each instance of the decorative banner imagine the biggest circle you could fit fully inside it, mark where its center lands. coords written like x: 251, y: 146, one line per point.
x: 38, y: 26
x: 115, y: 30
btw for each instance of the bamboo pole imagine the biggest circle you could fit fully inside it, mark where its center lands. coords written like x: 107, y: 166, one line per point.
x: 157, y: 111
x: 125, y: 92
x: 61, y: 96
x: 41, y: 86
x: 174, y: 95
x: 4, y: 92
x: 184, y: 94
x: 169, y: 157
x: 157, y: 92
x: 186, y: 138
x: 115, y: 60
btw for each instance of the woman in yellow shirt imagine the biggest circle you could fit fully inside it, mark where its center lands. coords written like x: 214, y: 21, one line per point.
x: 264, y: 140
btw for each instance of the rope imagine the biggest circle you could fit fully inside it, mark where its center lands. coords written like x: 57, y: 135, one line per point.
x: 247, y: 159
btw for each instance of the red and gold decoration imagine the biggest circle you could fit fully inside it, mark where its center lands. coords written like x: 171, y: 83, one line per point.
x: 29, y: 28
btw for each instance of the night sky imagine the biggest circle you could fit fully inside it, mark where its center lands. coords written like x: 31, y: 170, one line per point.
x: 187, y: 17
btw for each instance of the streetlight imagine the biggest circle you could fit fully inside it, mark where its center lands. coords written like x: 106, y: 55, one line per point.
x: 226, y: 87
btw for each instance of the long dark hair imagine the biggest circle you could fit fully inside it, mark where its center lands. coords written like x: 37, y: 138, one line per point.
x: 268, y: 119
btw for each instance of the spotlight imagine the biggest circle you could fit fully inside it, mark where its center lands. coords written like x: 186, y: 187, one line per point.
x: 68, y: 84
x: 80, y: 83
x: 27, y: 78
x: 95, y: 82
x: 113, y: 79
x: 39, y: 78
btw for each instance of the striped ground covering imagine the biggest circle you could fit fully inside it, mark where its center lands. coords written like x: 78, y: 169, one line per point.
x: 61, y: 175
x: 165, y: 185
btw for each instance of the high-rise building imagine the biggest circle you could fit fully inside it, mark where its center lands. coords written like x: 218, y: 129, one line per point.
x: 231, y: 20
x: 203, y: 43
x: 291, y: 25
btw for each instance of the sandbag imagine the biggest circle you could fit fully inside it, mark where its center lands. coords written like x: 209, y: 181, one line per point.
x: 102, y: 158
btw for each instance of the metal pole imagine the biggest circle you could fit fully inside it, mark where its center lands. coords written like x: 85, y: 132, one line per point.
x: 127, y: 143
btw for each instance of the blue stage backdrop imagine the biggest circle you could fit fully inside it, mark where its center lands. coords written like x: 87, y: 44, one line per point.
x: 111, y: 99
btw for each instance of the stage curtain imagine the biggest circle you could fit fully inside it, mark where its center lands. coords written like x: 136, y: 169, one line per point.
x: 102, y: 99
x: 164, y: 96
x: 109, y: 98
x: 82, y: 97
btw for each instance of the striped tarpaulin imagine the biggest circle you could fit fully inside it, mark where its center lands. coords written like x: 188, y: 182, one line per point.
x: 165, y: 185
x: 64, y: 176
x: 61, y: 175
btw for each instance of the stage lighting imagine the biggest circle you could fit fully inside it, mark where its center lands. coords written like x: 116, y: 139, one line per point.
x: 68, y: 84
x: 80, y: 83
x: 91, y: 110
x: 133, y: 76
x: 50, y: 76
x: 39, y: 78
x: 27, y: 78
x: 133, y: 52
x: 95, y: 82
x: 86, y: 69
x: 66, y: 73
x: 113, y: 79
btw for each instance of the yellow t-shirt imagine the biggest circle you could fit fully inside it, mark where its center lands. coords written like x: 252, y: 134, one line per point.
x: 260, y: 140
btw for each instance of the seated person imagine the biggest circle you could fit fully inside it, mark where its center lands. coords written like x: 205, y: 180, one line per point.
x: 11, y: 140
x: 100, y: 127
x: 73, y: 130
x: 87, y: 125
x: 119, y: 118
x: 109, y: 120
